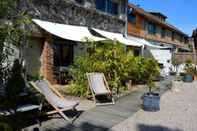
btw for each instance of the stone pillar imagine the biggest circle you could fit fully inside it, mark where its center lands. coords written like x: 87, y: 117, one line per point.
x: 47, y: 60
x: 191, y: 41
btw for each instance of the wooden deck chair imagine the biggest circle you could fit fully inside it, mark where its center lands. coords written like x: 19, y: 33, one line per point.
x: 99, y: 87
x: 54, y: 98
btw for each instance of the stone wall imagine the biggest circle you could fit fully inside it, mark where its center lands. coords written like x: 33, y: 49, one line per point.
x: 69, y: 12
x: 184, y: 56
x: 32, y: 55
x: 65, y: 12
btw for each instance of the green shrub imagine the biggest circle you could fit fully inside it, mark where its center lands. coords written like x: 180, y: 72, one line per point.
x: 5, y: 127
x: 15, y: 85
x: 106, y: 57
x: 190, y: 67
x: 111, y: 59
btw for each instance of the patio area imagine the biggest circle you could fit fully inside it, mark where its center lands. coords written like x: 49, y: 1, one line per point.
x: 101, y: 118
x: 178, y: 113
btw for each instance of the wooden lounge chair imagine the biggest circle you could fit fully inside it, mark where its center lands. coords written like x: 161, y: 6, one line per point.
x: 99, y: 88
x: 54, y: 98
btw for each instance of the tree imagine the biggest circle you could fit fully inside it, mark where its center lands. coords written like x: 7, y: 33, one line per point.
x: 11, y: 35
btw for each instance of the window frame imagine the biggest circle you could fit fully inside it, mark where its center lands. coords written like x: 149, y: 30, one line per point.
x: 58, y: 46
x: 163, y: 32
x: 107, y: 6
x: 111, y: 5
x: 133, y: 19
x: 152, y: 28
x: 173, y: 36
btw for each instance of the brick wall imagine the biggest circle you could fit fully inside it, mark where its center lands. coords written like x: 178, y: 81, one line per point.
x: 47, y: 60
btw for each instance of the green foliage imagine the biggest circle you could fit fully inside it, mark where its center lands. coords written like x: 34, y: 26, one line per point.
x: 151, y: 71
x: 3, y: 56
x: 190, y: 67
x: 35, y: 77
x: 12, y: 34
x: 6, y: 6
x: 14, y: 86
x: 105, y: 57
x: 110, y: 58
x: 188, y: 62
x: 5, y: 127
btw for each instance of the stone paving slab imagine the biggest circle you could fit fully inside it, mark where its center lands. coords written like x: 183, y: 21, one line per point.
x: 178, y: 113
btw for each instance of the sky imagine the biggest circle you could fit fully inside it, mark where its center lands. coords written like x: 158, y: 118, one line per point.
x: 180, y: 13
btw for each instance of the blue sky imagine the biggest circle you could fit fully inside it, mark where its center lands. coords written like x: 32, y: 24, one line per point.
x: 181, y: 13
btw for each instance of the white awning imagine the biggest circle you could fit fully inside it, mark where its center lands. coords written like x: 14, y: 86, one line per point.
x: 69, y: 32
x: 162, y: 56
x: 117, y: 36
x: 147, y: 43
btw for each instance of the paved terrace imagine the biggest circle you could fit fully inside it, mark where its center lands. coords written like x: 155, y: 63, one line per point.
x: 102, y: 118
x: 178, y: 113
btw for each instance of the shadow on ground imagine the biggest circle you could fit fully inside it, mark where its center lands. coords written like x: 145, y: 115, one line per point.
x: 143, y: 127
x: 82, y: 127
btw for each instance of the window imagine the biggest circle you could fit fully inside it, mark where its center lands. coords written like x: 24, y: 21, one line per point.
x: 132, y: 18
x: 151, y: 28
x: 185, y: 40
x: 144, y: 24
x: 107, y: 6
x: 63, y: 53
x: 101, y: 5
x: 168, y: 33
x: 173, y: 36
x: 163, y: 33
x: 181, y: 40
x: 123, y: 7
x: 112, y: 7
x: 80, y: 1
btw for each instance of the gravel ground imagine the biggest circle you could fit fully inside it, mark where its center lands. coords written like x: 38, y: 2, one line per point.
x: 178, y: 113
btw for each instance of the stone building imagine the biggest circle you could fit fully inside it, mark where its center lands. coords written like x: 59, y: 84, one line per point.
x: 47, y: 52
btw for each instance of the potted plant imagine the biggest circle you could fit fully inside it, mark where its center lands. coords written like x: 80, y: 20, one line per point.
x: 195, y: 72
x: 189, y: 71
x: 151, y: 99
x: 175, y: 64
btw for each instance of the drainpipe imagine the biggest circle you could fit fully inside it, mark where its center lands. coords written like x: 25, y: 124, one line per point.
x: 126, y: 22
x: 194, y: 50
x: 142, y: 50
x: 126, y: 19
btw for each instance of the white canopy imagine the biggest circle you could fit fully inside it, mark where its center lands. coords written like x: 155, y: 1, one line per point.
x: 117, y: 36
x: 146, y: 43
x: 69, y: 32
x: 163, y: 57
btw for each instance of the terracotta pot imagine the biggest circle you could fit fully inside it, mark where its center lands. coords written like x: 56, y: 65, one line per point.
x: 195, y: 77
